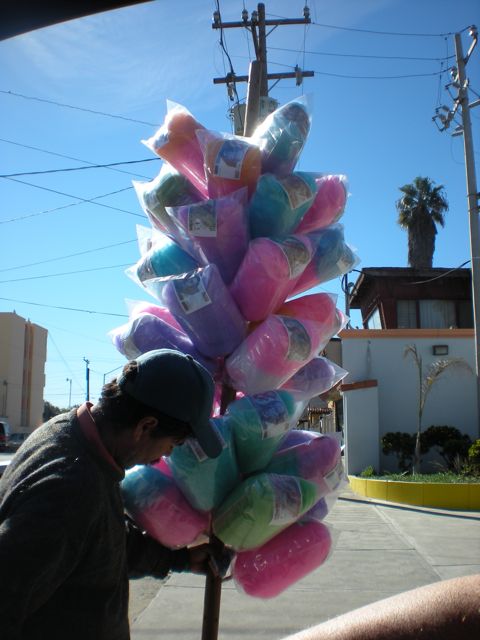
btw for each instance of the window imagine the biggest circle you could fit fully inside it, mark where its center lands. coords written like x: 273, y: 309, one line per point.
x: 374, y: 321
x: 437, y: 314
x: 407, y: 314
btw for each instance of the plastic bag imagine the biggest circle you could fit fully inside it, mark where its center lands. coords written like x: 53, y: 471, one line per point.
x: 160, y: 256
x: 288, y: 557
x: 146, y: 332
x: 177, y: 143
x: 282, y: 136
x: 157, y: 506
x: 220, y: 228
x: 317, y: 307
x: 204, y: 481
x: 332, y: 257
x: 204, y: 308
x: 260, y: 507
x: 315, y: 378
x: 269, y: 271
x: 273, y: 352
x: 258, y: 423
x: 328, y: 205
x: 231, y: 162
x: 318, y: 460
x: 169, y: 189
x: 279, y: 204
x: 137, y: 307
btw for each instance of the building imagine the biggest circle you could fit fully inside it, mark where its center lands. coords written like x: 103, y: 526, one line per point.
x: 406, y: 298
x: 23, y: 352
x: 431, y: 309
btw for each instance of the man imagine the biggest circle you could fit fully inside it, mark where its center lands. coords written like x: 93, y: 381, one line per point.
x: 66, y: 550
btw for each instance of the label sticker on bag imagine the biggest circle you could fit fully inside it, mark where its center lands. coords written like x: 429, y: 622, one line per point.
x: 299, y: 343
x: 297, y: 190
x: 287, y: 501
x: 335, y: 476
x: 272, y: 413
x: 202, y: 220
x: 297, y: 255
x: 229, y: 160
x: 191, y: 293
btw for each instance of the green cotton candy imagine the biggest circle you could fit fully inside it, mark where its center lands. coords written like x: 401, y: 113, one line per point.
x: 260, y: 507
x: 258, y: 423
x: 205, y: 481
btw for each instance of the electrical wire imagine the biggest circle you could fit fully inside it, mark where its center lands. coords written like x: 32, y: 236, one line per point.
x: 397, y: 77
x: 359, y: 55
x: 50, y: 306
x: 62, y: 155
x: 442, y: 275
x: 71, y: 255
x: 92, y: 166
x: 388, y: 33
x: 67, y: 273
x: 68, y: 195
x: 70, y: 106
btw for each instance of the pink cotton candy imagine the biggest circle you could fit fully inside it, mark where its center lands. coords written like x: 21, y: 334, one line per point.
x: 156, y: 504
x: 268, y: 273
x: 273, y: 352
x: 328, y: 205
x: 288, y: 557
x: 161, y: 312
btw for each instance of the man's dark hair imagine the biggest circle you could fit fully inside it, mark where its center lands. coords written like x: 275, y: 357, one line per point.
x: 121, y: 410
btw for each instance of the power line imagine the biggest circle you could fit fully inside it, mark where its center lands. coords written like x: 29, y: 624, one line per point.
x: 49, y: 306
x: 92, y: 166
x: 71, y: 255
x: 67, y: 273
x: 387, y: 33
x: 62, y: 155
x: 68, y: 195
x: 359, y: 55
x: 398, y: 77
x: 70, y: 106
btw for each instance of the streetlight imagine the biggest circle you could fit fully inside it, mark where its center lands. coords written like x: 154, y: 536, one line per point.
x: 70, y: 393
x: 111, y: 371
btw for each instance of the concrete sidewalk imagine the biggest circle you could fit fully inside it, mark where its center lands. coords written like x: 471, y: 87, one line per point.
x: 381, y: 549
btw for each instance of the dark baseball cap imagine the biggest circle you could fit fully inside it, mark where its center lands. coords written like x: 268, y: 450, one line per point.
x: 175, y: 384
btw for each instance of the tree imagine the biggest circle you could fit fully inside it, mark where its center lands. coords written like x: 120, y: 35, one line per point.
x: 425, y: 384
x: 420, y: 210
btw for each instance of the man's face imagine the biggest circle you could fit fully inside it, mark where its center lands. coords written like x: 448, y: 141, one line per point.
x: 146, y: 448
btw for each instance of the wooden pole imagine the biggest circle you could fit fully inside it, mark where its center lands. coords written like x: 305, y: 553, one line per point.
x: 213, y: 583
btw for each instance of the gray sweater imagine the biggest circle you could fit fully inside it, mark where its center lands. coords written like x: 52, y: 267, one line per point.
x: 66, y: 550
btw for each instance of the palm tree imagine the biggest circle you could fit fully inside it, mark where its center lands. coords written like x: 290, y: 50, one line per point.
x: 420, y: 209
x: 425, y: 384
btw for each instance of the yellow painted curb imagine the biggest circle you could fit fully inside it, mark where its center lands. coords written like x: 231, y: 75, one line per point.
x: 465, y: 497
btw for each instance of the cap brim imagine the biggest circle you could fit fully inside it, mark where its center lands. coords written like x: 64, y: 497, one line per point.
x: 208, y: 438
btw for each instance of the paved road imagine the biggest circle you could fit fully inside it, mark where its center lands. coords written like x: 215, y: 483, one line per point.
x: 381, y: 549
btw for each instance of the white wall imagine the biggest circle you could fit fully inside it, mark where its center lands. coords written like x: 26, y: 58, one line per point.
x: 379, y: 355
x: 361, y: 430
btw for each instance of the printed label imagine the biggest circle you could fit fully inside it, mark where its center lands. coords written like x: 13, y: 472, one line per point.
x: 299, y: 343
x: 344, y: 264
x: 202, y: 220
x: 287, y: 502
x: 335, y: 476
x: 145, y: 270
x: 297, y: 255
x: 272, y: 413
x: 196, y: 449
x: 191, y: 293
x: 229, y: 160
x: 297, y: 190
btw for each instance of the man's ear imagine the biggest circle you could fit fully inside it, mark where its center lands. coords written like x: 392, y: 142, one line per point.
x: 145, y: 425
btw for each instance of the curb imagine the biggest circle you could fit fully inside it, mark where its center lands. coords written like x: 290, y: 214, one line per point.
x: 463, y: 496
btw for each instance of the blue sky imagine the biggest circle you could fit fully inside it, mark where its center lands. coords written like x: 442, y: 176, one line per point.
x: 374, y: 95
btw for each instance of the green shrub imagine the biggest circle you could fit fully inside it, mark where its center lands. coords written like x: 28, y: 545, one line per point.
x: 368, y: 472
x: 450, y: 444
x: 401, y: 445
x: 473, y: 459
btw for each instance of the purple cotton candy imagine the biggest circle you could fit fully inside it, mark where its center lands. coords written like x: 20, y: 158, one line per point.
x: 315, y: 378
x: 273, y: 352
x: 203, y: 306
x: 313, y: 461
x: 268, y: 273
x: 220, y: 228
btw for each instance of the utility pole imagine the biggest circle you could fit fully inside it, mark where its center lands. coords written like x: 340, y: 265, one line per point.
x: 69, y: 393
x: 87, y: 377
x: 258, y: 76
x: 460, y: 82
